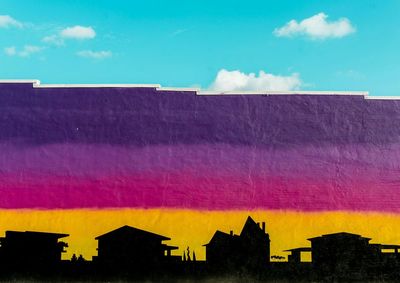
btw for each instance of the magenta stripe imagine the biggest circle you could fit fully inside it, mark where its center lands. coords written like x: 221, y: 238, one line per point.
x: 352, y: 177
x: 205, y: 193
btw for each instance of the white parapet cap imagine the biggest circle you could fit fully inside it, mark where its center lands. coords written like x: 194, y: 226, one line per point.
x: 34, y: 82
x: 197, y: 91
x: 37, y: 84
x: 291, y: 92
x: 96, y: 86
x: 191, y: 89
x: 376, y: 97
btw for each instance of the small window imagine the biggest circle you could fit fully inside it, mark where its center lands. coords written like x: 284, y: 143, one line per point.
x: 305, y: 256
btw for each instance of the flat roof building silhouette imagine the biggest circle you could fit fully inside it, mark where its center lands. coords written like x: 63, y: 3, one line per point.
x: 341, y: 253
x: 31, y: 250
x: 295, y: 254
x: 347, y: 253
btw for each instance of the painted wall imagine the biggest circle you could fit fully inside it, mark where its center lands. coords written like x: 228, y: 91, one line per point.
x: 84, y: 161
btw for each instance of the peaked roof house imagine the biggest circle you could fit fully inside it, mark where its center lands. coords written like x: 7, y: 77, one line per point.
x: 129, y: 247
x: 249, y: 250
x: 222, y: 250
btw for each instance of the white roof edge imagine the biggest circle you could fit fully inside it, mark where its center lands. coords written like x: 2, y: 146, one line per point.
x: 96, y: 85
x: 193, y: 89
x: 362, y: 93
x: 37, y: 84
x: 383, y: 97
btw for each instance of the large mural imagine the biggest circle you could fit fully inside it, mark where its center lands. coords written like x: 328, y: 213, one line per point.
x: 145, y: 181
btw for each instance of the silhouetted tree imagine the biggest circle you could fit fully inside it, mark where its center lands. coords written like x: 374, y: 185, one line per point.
x: 80, y: 258
x: 184, y: 256
x: 188, y: 254
x: 74, y: 258
x: 194, y: 256
x: 278, y: 257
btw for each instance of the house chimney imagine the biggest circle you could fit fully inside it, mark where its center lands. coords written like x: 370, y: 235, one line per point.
x: 263, y: 227
x: 231, y: 233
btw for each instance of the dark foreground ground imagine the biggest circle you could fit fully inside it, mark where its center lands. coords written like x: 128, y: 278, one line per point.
x: 197, y: 272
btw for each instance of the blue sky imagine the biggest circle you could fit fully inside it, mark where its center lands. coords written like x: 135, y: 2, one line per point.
x: 353, y: 45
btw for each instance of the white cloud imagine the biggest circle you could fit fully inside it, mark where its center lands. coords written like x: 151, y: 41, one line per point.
x: 75, y: 32
x: 78, y: 32
x: 7, y: 21
x: 239, y: 81
x: 351, y: 74
x: 30, y: 49
x: 94, y: 54
x: 179, y: 31
x: 10, y: 51
x: 53, y: 40
x: 26, y: 51
x: 316, y: 27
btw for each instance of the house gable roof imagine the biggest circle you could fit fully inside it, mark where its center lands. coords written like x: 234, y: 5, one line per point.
x: 339, y: 235
x: 252, y: 228
x: 132, y: 231
x: 220, y: 236
x: 249, y: 226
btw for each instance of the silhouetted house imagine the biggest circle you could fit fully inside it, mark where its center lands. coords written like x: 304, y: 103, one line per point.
x: 348, y: 255
x: 389, y: 256
x: 249, y: 250
x: 343, y: 253
x: 132, y: 248
x: 295, y: 254
x: 31, y: 250
x: 222, y: 250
